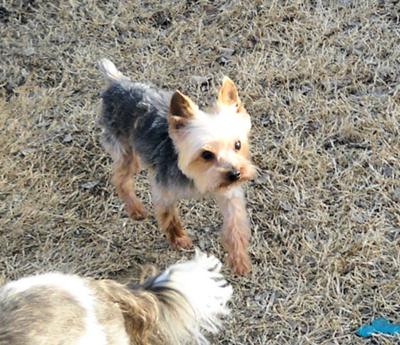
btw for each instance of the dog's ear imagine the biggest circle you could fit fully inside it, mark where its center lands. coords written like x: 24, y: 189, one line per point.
x: 181, y: 110
x: 228, y: 95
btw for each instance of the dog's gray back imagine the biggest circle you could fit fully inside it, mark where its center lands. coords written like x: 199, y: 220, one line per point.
x: 135, y: 115
x: 128, y: 105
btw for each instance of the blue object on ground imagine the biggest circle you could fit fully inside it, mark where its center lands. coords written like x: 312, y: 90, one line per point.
x: 379, y: 326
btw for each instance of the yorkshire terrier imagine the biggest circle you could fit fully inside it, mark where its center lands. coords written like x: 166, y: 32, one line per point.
x: 189, y: 153
x: 172, y: 308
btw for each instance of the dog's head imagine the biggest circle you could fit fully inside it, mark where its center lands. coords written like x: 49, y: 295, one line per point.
x: 212, y: 147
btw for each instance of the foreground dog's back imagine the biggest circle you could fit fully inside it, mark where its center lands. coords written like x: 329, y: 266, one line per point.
x: 171, y: 308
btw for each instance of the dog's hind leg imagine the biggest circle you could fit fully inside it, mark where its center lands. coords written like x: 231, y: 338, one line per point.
x: 122, y: 178
x: 126, y: 164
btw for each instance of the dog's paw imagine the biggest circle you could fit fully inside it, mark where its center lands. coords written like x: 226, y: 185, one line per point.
x: 183, y: 242
x: 136, y: 211
x: 241, y: 265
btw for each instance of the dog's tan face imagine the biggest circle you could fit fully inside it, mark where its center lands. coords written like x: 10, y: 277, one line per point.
x: 212, y: 147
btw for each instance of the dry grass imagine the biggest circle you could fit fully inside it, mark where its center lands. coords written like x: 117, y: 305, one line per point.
x: 321, y: 81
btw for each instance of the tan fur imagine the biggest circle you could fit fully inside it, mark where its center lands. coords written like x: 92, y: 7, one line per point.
x: 235, y: 230
x: 108, y: 312
x: 168, y: 219
x: 245, y: 153
x: 212, y: 175
x: 123, y: 310
x: 124, y: 168
x: 228, y: 94
x: 41, y: 310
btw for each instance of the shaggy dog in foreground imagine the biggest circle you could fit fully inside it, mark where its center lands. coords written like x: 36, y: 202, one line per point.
x: 174, y: 307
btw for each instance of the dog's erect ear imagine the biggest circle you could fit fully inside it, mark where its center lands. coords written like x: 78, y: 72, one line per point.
x: 182, y: 106
x: 228, y: 94
x: 181, y: 110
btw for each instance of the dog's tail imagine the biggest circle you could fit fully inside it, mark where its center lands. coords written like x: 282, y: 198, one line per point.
x: 176, y: 306
x: 110, y: 72
x: 193, y: 295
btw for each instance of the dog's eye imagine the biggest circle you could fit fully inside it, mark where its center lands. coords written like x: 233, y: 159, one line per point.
x: 238, y: 145
x: 207, y: 155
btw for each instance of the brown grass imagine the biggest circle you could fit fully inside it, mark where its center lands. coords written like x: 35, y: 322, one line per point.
x: 321, y: 82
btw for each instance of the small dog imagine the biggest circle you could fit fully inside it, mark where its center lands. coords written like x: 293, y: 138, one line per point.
x: 173, y: 307
x: 189, y: 152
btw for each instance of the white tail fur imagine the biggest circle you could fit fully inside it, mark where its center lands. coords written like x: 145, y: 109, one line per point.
x: 205, y: 290
x: 110, y: 71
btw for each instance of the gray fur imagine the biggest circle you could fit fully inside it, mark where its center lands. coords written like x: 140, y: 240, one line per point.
x: 135, y: 116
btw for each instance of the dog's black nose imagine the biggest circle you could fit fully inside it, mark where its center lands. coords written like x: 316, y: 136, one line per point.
x: 234, y: 175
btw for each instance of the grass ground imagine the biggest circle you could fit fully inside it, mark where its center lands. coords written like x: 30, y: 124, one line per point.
x: 321, y: 80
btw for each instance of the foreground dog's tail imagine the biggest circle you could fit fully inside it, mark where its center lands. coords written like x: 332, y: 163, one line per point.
x: 193, y: 295
x: 110, y: 72
x: 176, y: 306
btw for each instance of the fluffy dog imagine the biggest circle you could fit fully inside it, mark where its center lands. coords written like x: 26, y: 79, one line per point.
x: 173, y: 307
x: 190, y: 153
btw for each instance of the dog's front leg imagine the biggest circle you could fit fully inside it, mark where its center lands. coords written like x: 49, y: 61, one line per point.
x: 235, y: 229
x: 167, y: 216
